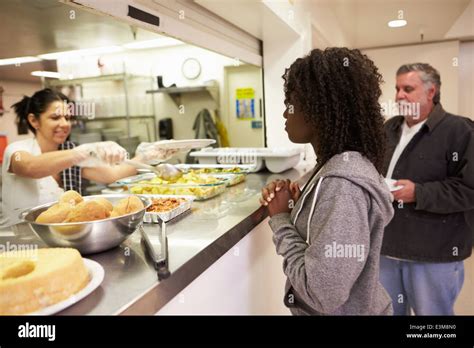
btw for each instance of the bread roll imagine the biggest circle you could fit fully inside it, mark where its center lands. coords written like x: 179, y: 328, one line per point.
x: 71, y: 197
x: 88, y: 211
x: 55, y: 214
x: 105, y: 203
x: 127, y: 205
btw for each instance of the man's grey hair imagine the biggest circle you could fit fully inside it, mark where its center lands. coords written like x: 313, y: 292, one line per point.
x: 428, y: 74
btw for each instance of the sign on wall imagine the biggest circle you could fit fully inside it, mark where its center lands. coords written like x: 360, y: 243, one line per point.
x: 245, y: 103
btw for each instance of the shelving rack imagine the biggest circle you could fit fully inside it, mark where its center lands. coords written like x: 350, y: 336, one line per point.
x: 120, y: 77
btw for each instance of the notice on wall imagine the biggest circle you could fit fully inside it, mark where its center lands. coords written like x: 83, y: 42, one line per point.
x: 245, y: 103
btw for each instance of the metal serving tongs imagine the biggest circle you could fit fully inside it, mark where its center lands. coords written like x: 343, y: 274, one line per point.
x: 160, y: 261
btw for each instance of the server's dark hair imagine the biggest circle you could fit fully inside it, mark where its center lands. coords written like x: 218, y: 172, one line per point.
x: 338, y: 90
x: 36, y: 105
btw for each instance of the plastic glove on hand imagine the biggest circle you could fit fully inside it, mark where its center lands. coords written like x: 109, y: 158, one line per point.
x: 106, y: 153
x: 153, y: 152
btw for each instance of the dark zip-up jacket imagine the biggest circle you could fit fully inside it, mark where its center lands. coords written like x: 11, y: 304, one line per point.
x: 439, y: 159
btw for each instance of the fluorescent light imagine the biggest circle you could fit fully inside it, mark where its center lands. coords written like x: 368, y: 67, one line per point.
x: 163, y: 42
x: 83, y: 52
x: 397, y: 23
x: 19, y: 60
x: 50, y: 74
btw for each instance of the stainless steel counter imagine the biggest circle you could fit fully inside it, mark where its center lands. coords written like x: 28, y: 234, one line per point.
x: 195, y: 241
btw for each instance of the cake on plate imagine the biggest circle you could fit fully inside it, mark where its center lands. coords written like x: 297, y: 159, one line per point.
x: 30, y: 281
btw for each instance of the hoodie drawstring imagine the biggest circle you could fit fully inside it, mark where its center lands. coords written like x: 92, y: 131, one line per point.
x: 311, y: 212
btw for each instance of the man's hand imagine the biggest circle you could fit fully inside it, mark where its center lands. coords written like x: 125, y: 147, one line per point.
x: 407, y: 193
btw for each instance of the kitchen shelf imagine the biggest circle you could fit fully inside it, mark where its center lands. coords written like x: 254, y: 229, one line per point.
x: 123, y: 78
x: 111, y: 118
x: 99, y: 78
x: 176, y: 92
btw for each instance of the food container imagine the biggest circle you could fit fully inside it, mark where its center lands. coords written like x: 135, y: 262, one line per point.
x: 276, y: 160
x: 149, y: 183
x: 200, y: 192
x: 233, y: 174
x: 154, y: 217
x: 231, y: 179
x: 87, y: 237
x: 217, y: 168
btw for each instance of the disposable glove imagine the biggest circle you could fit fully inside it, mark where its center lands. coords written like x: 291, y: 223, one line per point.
x: 152, y: 153
x: 106, y: 153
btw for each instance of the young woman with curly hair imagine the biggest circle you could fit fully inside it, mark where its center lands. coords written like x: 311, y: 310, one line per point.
x: 330, y: 233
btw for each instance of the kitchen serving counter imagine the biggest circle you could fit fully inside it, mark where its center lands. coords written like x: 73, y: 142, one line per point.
x: 195, y: 241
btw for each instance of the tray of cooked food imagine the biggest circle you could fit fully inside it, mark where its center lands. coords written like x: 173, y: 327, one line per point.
x: 216, y: 168
x: 201, y: 186
x: 166, y: 207
x: 234, y: 174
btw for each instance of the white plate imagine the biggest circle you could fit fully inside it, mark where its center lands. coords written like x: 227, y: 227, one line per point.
x: 391, y: 185
x: 186, y: 144
x: 96, y: 275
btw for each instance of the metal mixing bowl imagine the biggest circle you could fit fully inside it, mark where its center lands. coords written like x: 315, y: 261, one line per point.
x: 87, y: 237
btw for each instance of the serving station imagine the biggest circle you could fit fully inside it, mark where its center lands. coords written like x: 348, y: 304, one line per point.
x: 151, y: 266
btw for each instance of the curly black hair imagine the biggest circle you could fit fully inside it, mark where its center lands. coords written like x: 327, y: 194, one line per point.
x: 338, y: 90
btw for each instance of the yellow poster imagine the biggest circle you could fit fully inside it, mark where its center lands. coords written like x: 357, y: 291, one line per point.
x: 245, y: 103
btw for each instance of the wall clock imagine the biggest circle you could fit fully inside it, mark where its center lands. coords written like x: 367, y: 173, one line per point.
x: 191, y: 68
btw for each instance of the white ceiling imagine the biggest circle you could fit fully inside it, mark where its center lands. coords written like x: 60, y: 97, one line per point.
x: 363, y: 23
x: 32, y: 27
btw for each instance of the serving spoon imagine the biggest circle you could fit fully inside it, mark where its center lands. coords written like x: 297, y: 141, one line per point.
x: 165, y: 171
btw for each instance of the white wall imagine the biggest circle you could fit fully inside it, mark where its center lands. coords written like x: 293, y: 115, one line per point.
x: 166, y: 62
x: 286, y: 36
x: 440, y: 55
x: 247, y: 280
x: 466, y: 79
x: 14, y: 92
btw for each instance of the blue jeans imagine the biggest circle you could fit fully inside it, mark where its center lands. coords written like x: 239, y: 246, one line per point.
x: 427, y: 288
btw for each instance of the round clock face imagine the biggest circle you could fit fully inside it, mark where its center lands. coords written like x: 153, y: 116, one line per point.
x: 191, y: 68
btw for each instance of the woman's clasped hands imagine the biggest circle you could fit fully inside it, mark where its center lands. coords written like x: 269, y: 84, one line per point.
x: 280, y: 196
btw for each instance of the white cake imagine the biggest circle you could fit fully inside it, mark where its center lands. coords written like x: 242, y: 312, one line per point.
x: 40, y: 278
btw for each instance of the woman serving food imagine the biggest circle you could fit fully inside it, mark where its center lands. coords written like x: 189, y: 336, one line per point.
x: 40, y: 169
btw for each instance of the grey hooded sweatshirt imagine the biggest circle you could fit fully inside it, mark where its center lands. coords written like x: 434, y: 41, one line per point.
x: 331, y: 245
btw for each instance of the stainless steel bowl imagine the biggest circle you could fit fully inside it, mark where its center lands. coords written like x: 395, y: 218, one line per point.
x: 87, y: 237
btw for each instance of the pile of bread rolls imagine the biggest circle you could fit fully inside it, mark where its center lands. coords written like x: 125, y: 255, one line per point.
x: 73, y: 208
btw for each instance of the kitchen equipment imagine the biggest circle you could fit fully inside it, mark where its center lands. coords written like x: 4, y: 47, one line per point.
x: 164, y: 170
x: 160, y: 260
x: 94, y: 127
x: 87, y: 237
x: 130, y: 144
x: 112, y: 134
x: 276, y: 160
x: 165, y: 127
x: 169, y: 172
x: 84, y: 138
